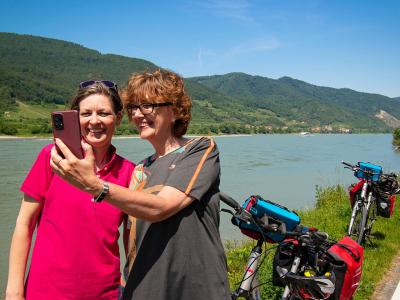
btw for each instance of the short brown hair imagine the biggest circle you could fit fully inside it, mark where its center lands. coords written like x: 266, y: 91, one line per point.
x: 101, y: 89
x: 161, y: 86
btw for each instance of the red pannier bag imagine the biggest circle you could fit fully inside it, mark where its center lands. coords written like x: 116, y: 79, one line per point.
x: 348, y: 258
x: 354, y: 189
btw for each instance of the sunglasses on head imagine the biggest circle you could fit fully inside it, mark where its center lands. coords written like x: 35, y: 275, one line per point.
x: 107, y: 83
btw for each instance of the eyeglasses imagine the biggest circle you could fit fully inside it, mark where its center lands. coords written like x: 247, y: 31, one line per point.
x: 107, y: 83
x: 145, y: 108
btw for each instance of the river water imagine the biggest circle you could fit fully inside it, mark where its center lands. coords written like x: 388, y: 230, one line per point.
x: 282, y: 168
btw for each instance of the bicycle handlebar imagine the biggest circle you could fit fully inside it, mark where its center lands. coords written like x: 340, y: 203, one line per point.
x: 369, y: 172
x: 228, y: 200
x: 348, y: 164
x: 247, y: 217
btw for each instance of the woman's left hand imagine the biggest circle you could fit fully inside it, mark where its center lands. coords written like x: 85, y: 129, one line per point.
x: 78, y: 172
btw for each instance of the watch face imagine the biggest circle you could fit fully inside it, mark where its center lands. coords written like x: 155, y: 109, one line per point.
x: 104, y: 192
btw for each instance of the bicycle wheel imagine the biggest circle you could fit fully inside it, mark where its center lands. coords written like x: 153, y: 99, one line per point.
x: 362, y: 226
x: 356, y: 219
x: 255, y: 292
x: 371, y: 217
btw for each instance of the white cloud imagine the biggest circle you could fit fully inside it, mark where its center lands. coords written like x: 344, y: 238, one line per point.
x: 200, y: 58
x: 201, y: 54
x: 258, y: 45
x: 211, y: 61
x: 234, y: 9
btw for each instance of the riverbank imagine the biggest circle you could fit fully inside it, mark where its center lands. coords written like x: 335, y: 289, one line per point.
x: 9, y: 137
x: 49, y: 136
x: 331, y: 215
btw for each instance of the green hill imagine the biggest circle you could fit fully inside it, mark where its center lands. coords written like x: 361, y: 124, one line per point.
x: 297, y: 100
x: 36, y: 69
x: 39, y: 75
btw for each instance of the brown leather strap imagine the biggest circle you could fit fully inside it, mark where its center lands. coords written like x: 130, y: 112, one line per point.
x: 132, y: 242
x: 132, y: 230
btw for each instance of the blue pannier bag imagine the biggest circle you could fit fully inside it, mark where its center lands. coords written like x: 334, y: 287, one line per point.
x: 277, y: 214
x: 366, y: 166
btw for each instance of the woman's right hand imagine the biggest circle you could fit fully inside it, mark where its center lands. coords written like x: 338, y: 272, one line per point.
x: 78, y: 172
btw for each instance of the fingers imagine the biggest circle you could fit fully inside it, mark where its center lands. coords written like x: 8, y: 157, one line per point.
x: 64, y: 149
x: 55, y: 158
x: 87, y: 149
x: 55, y: 161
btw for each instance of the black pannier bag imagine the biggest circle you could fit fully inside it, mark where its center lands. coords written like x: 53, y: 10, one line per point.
x: 283, y: 259
x: 389, y: 184
x: 344, y: 259
x: 385, y: 195
x: 385, y: 204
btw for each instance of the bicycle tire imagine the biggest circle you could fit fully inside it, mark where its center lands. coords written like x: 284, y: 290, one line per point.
x: 362, y: 230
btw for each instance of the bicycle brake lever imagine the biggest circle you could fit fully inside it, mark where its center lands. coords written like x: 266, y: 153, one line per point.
x: 246, y: 216
x: 242, y: 215
x: 322, y: 235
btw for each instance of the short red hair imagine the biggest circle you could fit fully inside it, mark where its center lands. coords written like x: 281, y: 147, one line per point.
x: 157, y: 87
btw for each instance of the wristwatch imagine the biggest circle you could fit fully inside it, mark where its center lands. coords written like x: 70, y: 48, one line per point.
x: 104, y: 192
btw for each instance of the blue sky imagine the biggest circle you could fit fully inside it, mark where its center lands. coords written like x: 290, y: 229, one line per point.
x: 352, y: 44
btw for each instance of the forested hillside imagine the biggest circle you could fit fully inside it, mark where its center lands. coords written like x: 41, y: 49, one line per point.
x: 297, y: 100
x: 39, y: 75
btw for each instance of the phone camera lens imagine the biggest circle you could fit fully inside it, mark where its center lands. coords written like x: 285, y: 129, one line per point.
x: 58, y: 122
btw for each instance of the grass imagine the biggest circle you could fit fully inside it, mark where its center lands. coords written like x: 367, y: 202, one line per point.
x: 331, y: 214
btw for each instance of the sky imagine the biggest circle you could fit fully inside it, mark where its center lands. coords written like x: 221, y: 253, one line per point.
x: 336, y: 43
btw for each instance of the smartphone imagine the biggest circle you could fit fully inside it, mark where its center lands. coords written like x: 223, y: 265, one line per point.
x: 67, y: 128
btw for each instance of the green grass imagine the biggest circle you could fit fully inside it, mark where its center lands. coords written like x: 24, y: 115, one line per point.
x: 331, y: 214
x: 37, y: 111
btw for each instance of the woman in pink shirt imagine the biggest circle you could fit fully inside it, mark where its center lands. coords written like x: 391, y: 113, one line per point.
x: 76, y: 253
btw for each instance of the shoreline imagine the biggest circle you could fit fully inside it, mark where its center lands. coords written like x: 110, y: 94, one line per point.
x: 13, y: 137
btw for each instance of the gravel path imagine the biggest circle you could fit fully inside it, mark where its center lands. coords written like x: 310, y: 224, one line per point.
x: 386, y: 288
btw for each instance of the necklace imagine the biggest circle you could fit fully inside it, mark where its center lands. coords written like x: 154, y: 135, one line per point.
x: 103, y: 161
x: 155, y: 155
x: 179, y: 143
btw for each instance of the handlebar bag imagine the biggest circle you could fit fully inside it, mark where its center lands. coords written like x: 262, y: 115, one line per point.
x: 277, y: 214
x: 365, y: 166
x: 347, y: 258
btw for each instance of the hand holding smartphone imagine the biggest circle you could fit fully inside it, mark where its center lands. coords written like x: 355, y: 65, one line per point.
x: 66, y: 127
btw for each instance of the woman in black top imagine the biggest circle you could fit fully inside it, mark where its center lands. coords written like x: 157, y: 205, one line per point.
x: 175, y: 248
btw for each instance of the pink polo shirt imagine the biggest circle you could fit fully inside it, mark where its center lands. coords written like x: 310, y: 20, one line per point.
x: 76, y: 253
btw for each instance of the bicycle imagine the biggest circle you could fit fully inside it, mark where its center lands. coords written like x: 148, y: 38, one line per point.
x: 308, y: 271
x: 373, y: 186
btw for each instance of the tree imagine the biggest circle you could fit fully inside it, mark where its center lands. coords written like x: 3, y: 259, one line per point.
x: 396, y: 137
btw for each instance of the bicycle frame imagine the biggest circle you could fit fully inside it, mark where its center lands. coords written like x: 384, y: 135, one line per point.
x: 294, y: 268
x: 249, y: 284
